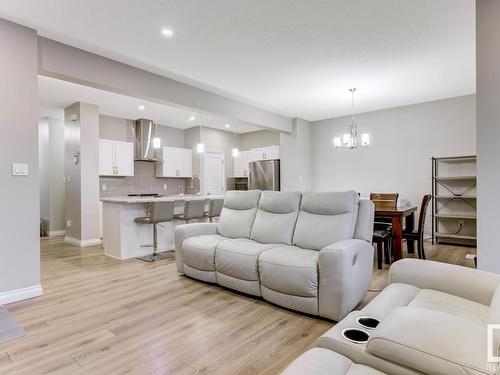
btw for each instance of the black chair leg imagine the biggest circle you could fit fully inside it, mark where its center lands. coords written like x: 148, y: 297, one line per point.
x: 420, y: 244
x: 411, y: 246
x: 386, y: 251
x: 379, y: 255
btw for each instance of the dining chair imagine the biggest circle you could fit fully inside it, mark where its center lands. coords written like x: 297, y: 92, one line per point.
x: 418, y: 235
x: 382, y: 230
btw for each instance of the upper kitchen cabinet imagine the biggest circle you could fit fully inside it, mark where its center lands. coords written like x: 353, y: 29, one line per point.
x: 245, y: 157
x: 241, y: 163
x: 266, y: 153
x: 116, y: 158
x: 175, y: 162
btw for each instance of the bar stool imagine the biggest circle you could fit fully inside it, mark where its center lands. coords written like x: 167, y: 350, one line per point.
x: 193, y: 209
x: 214, y: 208
x: 159, y: 212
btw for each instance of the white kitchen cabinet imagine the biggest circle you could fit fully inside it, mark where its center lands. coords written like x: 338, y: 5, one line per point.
x: 175, y: 162
x: 241, y: 163
x: 245, y: 157
x: 116, y: 158
x: 266, y: 153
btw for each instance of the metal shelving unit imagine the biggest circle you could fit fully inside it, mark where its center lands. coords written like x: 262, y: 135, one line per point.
x: 454, y: 200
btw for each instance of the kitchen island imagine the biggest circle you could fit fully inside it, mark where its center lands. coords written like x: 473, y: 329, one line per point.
x: 123, y: 238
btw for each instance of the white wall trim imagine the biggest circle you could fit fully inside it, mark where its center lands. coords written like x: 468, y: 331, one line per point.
x: 20, y: 294
x: 56, y: 233
x: 82, y: 243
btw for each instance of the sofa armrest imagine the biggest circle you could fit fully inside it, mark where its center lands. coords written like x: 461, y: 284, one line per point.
x: 468, y: 283
x: 184, y: 231
x: 345, y: 273
x: 432, y: 342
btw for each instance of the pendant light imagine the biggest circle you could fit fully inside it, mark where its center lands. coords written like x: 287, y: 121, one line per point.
x: 236, y: 151
x: 200, y: 147
x: 156, y: 139
x: 349, y: 140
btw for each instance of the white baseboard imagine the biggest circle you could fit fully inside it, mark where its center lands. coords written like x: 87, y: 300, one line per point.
x: 56, y: 233
x: 82, y: 243
x: 20, y: 294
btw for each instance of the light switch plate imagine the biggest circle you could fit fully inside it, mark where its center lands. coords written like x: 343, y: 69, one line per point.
x: 19, y: 169
x: 103, y: 187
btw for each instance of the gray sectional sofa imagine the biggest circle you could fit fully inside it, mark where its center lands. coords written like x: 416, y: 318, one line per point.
x: 309, y: 252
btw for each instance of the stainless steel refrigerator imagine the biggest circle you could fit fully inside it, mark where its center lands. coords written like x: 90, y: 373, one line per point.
x: 264, y: 175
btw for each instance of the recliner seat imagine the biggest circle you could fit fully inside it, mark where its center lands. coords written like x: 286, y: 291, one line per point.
x: 309, y: 252
x: 433, y: 320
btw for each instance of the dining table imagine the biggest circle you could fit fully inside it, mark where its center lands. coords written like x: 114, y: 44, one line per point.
x: 396, y: 215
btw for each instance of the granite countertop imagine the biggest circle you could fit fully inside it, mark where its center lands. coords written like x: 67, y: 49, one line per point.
x: 166, y: 198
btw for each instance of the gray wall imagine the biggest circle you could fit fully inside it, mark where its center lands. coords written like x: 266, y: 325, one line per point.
x: 403, y: 141
x: 259, y: 138
x: 52, y: 169
x: 144, y: 180
x: 488, y: 132
x: 19, y: 196
x: 82, y: 189
x: 296, y: 157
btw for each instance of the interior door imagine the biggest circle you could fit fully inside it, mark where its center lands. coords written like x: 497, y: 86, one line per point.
x: 106, y: 158
x: 214, y: 173
x: 124, y: 158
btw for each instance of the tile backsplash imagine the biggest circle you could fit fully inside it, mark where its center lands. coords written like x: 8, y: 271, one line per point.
x: 143, y: 181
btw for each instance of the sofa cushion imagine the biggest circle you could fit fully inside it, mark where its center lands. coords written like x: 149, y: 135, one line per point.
x: 238, y: 258
x: 319, y: 361
x: 448, y: 303
x: 276, y: 217
x: 199, y: 251
x: 237, y: 215
x: 325, y: 218
x: 290, y: 270
x: 432, y: 342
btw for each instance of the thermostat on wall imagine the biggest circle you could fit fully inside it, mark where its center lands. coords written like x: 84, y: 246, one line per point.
x: 19, y: 169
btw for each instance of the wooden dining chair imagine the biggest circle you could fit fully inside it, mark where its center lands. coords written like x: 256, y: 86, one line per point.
x: 382, y: 231
x: 418, y: 235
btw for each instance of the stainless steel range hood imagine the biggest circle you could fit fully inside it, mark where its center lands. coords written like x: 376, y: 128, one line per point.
x: 144, y: 130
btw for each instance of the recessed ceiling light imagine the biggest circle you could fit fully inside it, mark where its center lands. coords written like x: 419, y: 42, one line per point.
x: 141, y: 107
x: 227, y: 126
x: 167, y: 33
x: 192, y: 118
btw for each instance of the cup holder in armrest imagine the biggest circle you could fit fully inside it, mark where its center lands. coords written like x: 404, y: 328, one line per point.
x: 355, y: 335
x: 368, y: 322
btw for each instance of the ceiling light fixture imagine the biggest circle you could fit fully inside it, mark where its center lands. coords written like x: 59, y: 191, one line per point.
x: 227, y: 126
x: 167, y: 33
x: 350, y: 139
x: 192, y: 118
x: 141, y: 107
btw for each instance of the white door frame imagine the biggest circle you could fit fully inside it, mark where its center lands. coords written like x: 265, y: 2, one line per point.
x: 203, y: 182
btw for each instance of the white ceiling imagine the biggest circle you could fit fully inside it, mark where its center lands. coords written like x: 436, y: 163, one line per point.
x: 54, y: 95
x: 296, y: 57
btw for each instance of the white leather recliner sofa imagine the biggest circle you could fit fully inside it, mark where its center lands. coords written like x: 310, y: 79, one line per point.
x: 433, y: 320
x: 309, y: 252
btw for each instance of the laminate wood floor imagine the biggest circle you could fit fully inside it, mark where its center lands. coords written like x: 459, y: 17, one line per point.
x: 102, y: 316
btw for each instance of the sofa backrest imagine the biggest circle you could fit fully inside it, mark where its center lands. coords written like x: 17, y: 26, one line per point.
x: 276, y: 217
x: 238, y: 214
x: 364, y: 222
x: 325, y: 218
